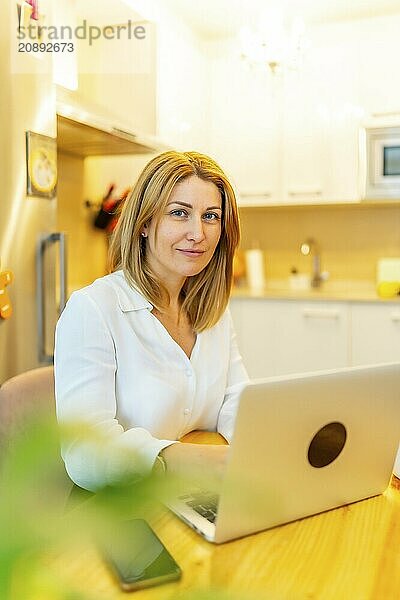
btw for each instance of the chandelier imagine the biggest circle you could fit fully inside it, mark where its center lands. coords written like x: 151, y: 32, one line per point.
x: 275, y: 42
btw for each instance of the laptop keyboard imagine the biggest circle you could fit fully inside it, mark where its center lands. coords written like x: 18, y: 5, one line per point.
x: 204, y: 503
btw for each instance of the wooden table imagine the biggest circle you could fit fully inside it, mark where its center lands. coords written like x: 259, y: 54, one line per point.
x: 351, y: 553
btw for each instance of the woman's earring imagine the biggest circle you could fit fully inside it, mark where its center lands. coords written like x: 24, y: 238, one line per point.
x: 143, y: 234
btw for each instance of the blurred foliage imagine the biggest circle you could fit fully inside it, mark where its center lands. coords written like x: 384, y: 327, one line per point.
x: 33, y: 487
x: 40, y: 518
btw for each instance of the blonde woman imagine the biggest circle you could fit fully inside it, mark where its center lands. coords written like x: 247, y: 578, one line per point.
x: 147, y: 353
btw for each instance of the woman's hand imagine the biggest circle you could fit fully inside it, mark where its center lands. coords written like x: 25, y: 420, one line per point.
x: 201, y: 463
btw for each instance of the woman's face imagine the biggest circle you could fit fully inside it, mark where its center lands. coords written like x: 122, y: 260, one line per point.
x: 187, y: 232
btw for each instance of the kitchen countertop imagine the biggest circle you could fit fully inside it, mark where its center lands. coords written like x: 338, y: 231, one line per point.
x: 358, y: 291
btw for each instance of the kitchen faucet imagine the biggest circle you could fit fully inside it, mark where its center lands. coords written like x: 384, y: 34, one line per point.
x: 311, y: 247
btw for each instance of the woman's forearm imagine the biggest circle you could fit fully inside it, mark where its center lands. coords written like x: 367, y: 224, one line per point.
x: 196, y: 462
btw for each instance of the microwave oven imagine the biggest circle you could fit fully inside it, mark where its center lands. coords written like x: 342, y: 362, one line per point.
x: 382, y: 162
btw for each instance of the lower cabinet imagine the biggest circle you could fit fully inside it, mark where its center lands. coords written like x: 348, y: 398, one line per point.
x: 254, y: 321
x: 311, y: 336
x: 278, y: 337
x: 375, y: 333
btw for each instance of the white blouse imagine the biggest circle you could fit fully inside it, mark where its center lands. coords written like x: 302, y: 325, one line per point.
x: 131, y: 388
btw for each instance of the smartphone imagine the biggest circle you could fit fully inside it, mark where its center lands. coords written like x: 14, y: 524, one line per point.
x: 137, y: 556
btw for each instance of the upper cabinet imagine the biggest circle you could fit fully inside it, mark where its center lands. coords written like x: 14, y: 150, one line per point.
x: 294, y: 137
x: 339, y: 116
x: 303, y: 150
x: 244, y: 125
x: 322, y: 119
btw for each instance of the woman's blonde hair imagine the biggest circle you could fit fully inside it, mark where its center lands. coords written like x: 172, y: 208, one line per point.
x: 205, y: 295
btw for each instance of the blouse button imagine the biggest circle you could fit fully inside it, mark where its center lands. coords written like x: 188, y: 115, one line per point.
x: 188, y: 372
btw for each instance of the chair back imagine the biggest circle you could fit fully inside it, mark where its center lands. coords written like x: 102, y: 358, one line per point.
x: 25, y: 396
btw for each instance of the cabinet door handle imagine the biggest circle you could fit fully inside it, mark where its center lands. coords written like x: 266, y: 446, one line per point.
x: 389, y: 113
x: 305, y: 192
x: 254, y: 199
x: 255, y: 194
x: 320, y: 313
x: 395, y: 316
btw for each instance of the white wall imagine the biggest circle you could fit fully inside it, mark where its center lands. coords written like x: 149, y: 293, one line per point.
x: 101, y: 171
x: 182, y: 84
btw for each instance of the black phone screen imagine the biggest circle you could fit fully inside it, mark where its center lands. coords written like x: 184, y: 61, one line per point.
x: 138, y: 557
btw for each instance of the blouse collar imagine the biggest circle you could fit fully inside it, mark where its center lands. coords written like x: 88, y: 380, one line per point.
x: 129, y: 297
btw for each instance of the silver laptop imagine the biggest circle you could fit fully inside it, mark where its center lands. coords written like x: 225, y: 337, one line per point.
x: 302, y: 444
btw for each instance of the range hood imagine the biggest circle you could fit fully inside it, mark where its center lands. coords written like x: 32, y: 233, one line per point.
x: 85, y: 129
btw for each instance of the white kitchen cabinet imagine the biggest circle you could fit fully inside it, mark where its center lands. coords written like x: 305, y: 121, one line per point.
x: 293, y: 138
x: 302, y: 140
x: 277, y: 337
x: 348, y: 77
x: 322, y: 116
x: 244, y: 124
x: 340, y: 112
x: 375, y: 333
x: 311, y: 336
x: 254, y: 322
